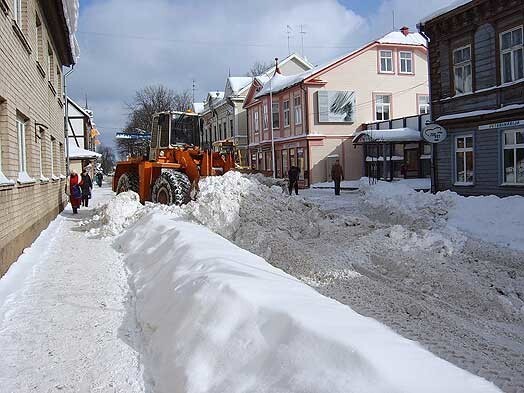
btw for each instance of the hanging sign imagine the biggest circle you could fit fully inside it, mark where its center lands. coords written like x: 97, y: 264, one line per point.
x: 434, y: 133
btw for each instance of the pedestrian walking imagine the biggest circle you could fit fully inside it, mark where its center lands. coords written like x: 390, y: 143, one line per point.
x: 337, y: 175
x: 99, y: 177
x: 87, y: 186
x: 73, y: 188
x: 293, y: 174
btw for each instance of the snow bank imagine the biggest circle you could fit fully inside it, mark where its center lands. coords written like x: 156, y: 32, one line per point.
x: 114, y: 216
x: 489, y: 218
x: 217, y: 318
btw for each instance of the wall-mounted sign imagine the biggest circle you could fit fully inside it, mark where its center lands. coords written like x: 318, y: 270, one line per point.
x: 504, y: 124
x: 434, y: 133
x: 336, y: 106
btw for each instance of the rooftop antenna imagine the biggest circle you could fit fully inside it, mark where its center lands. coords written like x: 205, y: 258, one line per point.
x: 302, y: 32
x: 193, y: 89
x: 393, y: 14
x: 86, y: 101
x: 289, y: 30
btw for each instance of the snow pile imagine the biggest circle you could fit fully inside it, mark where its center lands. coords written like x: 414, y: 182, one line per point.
x: 432, y: 241
x: 217, y: 318
x: 114, y: 216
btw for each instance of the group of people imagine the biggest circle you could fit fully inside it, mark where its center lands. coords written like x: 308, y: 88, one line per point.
x: 337, y: 175
x: 79, y: 188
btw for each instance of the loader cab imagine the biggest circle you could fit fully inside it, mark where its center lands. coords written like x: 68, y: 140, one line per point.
x: 172, y: 129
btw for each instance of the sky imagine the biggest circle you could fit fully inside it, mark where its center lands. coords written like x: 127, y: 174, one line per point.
x: 128, y: 44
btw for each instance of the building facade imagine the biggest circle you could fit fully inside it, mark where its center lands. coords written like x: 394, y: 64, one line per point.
x: 476, y: 55
x: 34, y: 45
x: 314, y: 115
x: 224, y: 116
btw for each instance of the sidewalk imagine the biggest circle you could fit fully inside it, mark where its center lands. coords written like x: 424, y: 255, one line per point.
x: 62, y: 308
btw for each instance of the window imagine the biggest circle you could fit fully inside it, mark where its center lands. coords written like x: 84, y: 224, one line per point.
x: 231, y: 126
x: 297, y: 104
x: 386, y: 61
x: 301, y: 162
x: 285, y: 162
x: 39, y: 41
x: 512, y: 55
x: 49, y: 64
x: 513, y: 143
x: 58, y: 82
x: 462, y: 70
x: 22, y: 154
x: 40, y: 141
x: 17, y: 11
x: 464, y: 159
x: 276, y: 114
x: 265, y: 123
x: 225, y: 130
x: 62, y: 158
x: 52, y: 156
x: 255, y: 121
x: 220, y: 131
x: 423, y: 104
x: 285, y: 106
x: 382, y: 107
x: 406, y: 62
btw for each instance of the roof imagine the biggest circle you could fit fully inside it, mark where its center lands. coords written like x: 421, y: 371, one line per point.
x: 390, y: 135
x: 79, y: 108
x: 282, y: 82
x: 239, y: 83
x: 480, y: 112
x: 216, y: 95
x: 444, y: 10
x: 198, y: 107
x: 397, y: 37
x: 78, y: 152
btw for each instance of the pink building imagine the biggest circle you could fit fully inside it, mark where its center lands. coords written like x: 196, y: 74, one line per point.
x: 315, y: 114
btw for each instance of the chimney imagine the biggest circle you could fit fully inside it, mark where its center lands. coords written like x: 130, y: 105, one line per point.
x: 404, y: 30
x: 277, y: 70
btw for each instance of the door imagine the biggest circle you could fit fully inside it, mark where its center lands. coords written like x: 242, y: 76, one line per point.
x: 411, y: 157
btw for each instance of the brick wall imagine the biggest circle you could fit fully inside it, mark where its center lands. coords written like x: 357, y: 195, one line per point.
x: 27, y: 91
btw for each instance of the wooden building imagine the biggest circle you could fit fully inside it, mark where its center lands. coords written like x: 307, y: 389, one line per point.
x: 476, y: 57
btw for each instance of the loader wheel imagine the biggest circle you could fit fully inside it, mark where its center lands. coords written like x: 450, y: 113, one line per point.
x: 127, y: 182
x: 171, y: 188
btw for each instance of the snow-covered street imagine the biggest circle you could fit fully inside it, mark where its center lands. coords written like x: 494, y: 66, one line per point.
x: 138, y: 298
x: 62, y: 309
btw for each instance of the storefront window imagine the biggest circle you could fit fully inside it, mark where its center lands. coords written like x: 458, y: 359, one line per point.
x: 285, y: 162
x: 301, y: 162
x: 513, y: 142
x: 268, y: 164
x: 464, y: 160
x: 292, y: 157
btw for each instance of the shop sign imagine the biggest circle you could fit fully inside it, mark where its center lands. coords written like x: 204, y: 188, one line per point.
x: 504, y: 124
x: 434, y: 133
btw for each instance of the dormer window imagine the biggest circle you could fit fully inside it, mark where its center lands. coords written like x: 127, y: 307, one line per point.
x: 462, y: 70
x: 386, y: 61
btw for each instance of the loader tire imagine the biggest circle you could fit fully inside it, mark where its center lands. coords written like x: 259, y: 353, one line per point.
x: 127, y: 182
x: 171, y: 188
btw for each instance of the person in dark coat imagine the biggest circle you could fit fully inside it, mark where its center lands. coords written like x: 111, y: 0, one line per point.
x: 74, y: 190
x: 99, y: 177
x: 337, y: 175
x: 87, y: 186
x: 293, y: 174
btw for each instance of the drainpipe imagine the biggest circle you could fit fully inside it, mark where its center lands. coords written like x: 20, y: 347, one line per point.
x: 66, y: 117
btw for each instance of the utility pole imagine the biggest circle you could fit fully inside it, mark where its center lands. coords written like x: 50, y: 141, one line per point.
x: 289, y: 29
x: 302, y: 32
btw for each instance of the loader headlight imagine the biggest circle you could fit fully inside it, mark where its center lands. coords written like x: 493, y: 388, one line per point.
x: 162, y: 153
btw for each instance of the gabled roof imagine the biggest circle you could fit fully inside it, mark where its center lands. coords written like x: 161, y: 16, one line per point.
x: 238, y: 83
x: 198, y: 107
x: 79, y: 108
x: 453, y: 6
x: 282, y: 82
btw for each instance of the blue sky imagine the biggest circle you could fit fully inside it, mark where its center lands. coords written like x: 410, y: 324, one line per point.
x: 128, y: 44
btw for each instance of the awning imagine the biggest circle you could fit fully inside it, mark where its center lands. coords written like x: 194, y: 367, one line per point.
x: 389, y: 135
x: 76, y: 152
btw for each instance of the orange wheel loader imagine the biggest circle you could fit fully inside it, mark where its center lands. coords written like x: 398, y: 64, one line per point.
x: 175, y: 163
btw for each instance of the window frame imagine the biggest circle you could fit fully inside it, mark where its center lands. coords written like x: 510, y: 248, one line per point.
x: 297, y: 109
x: 463, y: 150
x: 380, y: 57
x: 511, y: 50
x: 462, y: 65
x: 376, y: 104
x: 265, y: 122
x: 513, y: 146
x: 22, y: 146
x: 411, y: 63
x: 52, y: 156
x: 273, y: 113
x: 419, y: 105
x: 17, y: 12
x: 286, y: 112
x: 256, y: 123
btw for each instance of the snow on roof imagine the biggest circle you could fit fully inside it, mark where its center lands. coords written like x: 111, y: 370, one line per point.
x: 445, y: 10
x: 216, y: 94
x: 198, y: 107
x: 391, y: 135
x: 397, y: 37
x: 71, y: 8
x: 78, y: 152
x: 238, y: 83
x: 479, y: 112
x: 280, y: 82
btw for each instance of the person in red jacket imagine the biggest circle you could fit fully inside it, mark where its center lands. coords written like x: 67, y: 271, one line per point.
x: 74, y: 190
